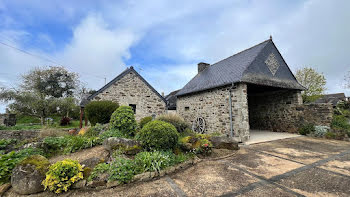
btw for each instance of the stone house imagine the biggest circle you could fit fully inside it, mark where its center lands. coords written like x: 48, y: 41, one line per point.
x: 253, y: 89
x: 131, y: 89
x: 332, y: 98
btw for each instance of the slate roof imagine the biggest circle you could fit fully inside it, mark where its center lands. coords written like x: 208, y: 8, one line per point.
x: 171, y: 100
x: 127, y: 71
x: 331, y: 98
x: 246, y: 66
x: 84, y: 101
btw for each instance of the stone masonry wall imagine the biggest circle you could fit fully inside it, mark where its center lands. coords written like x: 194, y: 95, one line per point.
x: 213, y: 106
x: 19, y: 135
x: 132, y: 90
x: 283, y: 111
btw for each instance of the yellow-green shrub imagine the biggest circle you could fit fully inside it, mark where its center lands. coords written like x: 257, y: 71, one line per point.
x: 62, y: 175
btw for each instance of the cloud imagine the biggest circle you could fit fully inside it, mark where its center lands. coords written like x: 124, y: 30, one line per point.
x: 97, y: 50
x: 168, y: 38
x: 168, y: 78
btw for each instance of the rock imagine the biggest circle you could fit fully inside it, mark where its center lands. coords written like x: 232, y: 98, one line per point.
x: 222, y: 142
x: 34, y: 145
x: 27, y: 176
x: 128, y: 146
x: 113, y: 184
x: 91, y: 162
x: 80, y: 184
x: 4, y: 188
x: 100, y: 180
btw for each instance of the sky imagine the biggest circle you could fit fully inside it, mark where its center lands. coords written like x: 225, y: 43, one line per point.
x: 165, y: 39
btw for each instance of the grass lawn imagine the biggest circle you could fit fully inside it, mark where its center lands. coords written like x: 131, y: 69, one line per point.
x: 23, y: 126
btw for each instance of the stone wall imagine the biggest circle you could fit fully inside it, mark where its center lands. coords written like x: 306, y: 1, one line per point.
x: 19, y: 135
x: 8, y: 119
x: 132, y: 90
x: 283, y: 111
x: 213, y: 106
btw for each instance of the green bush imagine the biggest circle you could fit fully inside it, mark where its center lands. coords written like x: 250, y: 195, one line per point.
x: 158, y: 135
x: 340, y: 122
x: 144, y: 121
x: 176, y: 120
x: 113, y: 133
x: 69, y: 144
x: 100, y: 111
x: 98, y: 170
x: 54, y: 145
x: 96, y: 130
x: 330, y: 135
x: 76, y: 143
x: 123, y: 119
x: 62, y: 175
x: 122, y: 170
x: 4, y: 143
x: 9, y: 161
x: 157, y: 160
x: 307, y: 129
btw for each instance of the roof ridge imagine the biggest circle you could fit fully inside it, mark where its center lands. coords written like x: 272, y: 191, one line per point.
x: 256, y: 56
x: 109, y: 83
x: 242, y: 51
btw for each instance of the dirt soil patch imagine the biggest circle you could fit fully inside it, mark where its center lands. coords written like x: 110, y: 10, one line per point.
x: 97, y: 151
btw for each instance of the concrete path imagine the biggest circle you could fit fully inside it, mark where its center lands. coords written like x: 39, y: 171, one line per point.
x: 258, y: 136
x: 299, y: 166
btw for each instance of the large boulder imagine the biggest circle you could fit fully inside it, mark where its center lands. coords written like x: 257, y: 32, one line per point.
x: 92, y: 162
x: 128, y: 146
x: 27, y: 175
x: 223, y: 142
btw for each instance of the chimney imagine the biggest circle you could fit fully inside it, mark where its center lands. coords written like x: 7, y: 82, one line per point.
x: 202, y: 66
x: 162, y: 94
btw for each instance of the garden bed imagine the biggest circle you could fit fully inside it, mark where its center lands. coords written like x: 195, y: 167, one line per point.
x: 131, y: 152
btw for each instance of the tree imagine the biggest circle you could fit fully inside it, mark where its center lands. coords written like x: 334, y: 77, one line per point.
x: 52, y: 82
x: 42, y: 92
x: 314, y: 82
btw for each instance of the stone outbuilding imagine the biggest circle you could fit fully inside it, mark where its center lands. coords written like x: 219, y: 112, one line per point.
x: 332, y: 98
x: 131, y: 89
x: 253, y: 89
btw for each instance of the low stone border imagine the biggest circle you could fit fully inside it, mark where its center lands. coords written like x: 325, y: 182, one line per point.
x: 147, y: 176
x: 19, y: 134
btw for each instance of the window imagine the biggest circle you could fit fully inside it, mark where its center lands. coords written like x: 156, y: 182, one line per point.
x: 187, y: 108
x: 133, y: 106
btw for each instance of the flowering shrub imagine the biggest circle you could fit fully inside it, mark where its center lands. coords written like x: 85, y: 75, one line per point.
x: 65, y: 121
x: 62, y: 175
x: 123, y: 119
x: 320, y: 131
x: 198, y: 143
